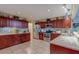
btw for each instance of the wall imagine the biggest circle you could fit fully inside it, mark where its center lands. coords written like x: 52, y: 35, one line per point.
x: 30, y: 25
x: 74, y: 10
x: 76, y: 18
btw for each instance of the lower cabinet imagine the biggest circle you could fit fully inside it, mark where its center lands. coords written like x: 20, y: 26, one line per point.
x: 10, y: 40
x: 15, y: 39
x: 41, y: 36
x: 55, y: 49
x: 3, y: 42
x: 54, y: 35
x: 24, y: 37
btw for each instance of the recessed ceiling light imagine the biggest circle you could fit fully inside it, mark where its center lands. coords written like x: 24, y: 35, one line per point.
x: 63, y: 7
x: 48, y: 10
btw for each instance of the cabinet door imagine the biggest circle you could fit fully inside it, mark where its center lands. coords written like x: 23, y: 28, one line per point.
x: 13, y: 23
x: 0, y: 22
x: 62, y: 23
x: 41, y: 36
x: 8, y: 23
x: 4, y: 22
x: 22, y: 24
x: 3, y: 42
x: 42, y: 24
x: 16, y: 39
x: 9, y: 40
x: 54, y: 23
x: 19, y: 24
x: 16, y: 23
x: 25, y: 24
x: 59, y: 24
x: 25, y: 37
x: 54, y: 35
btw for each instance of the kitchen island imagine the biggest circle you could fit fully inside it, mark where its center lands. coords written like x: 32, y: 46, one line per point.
x: 65, y: 44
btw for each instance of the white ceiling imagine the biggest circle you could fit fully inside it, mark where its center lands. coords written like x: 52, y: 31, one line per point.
x: 33, y: 11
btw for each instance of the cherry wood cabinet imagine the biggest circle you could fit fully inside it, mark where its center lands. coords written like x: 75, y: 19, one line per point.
x: 2, y: 22
x: 10, y: 40
x: 15, y: 39
x: 62, y: 23
x: 42, y: 24
x: 3, y: 42
x: 67, y: 23
x: 55, y: 49
x: 41, y: 36
x: 8, y: 22
x: 54, y: 35
x: 24, y: 37
x: 24, y: 24
x: 59, y: 23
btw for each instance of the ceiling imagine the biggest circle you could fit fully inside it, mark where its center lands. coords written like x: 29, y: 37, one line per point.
x: 34, y: 11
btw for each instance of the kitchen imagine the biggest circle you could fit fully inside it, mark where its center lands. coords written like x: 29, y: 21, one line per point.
x: 39, y: 29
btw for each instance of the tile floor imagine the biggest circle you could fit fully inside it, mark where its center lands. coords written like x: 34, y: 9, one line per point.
x: 36, y: 47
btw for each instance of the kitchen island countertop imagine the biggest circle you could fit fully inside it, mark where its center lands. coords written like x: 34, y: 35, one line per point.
x: 70, y: 42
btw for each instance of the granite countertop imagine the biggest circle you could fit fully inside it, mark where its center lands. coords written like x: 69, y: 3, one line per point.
x: 11, y: 33
x: 67, y: 41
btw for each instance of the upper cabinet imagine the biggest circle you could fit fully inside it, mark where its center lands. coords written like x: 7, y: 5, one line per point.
x: 3, y: 22
x: 42, y: 24
x: 67, y: 23
x: 58, y: 23
x: 8, y: 22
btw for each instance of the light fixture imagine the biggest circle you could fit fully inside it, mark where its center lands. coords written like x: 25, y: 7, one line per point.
x: 63, y: 7
x: 48, y: 10
x: 67, y: 10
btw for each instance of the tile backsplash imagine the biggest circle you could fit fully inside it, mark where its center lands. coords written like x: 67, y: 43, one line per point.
x: 6, y: 30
